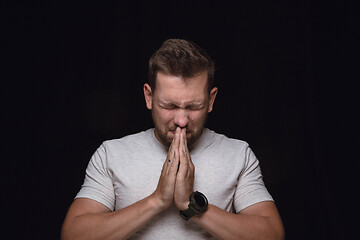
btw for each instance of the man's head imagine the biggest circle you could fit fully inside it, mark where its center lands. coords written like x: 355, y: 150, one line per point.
x: 178, y: 57
x: 183, y: 97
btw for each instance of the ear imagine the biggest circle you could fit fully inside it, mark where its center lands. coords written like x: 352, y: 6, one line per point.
x: 148, y: 96
x: 212, y: 96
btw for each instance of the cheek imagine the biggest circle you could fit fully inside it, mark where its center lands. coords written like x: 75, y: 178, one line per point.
x: 197, y: 117
x: 164, y: 116
x: 169, y: 115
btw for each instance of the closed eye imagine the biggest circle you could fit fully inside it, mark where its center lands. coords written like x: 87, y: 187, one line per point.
x: 173, y: 106
x: 168, y: 106
x: 195, y: 107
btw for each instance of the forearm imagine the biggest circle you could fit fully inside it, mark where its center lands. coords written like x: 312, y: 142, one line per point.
x: 224, y: 225
x: 120, y: 224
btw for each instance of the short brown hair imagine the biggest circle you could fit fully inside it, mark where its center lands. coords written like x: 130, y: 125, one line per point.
x: 182, y: 58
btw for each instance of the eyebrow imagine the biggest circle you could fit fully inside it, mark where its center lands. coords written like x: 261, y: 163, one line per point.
x: 192, y: 104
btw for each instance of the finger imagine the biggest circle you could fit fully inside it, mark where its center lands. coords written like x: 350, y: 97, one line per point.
x: 183, y: 169
x: 186, y: 149
x: 191, y: 166
x: 170, y: 155
x: 187, y: 152
x: 174, y: 167
x: 175, y: 153
x: 171, y: 148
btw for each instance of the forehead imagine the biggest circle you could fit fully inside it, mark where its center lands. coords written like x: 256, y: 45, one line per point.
x: 180, y: 90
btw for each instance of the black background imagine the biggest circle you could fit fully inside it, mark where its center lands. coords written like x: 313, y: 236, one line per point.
x: 72, y: 77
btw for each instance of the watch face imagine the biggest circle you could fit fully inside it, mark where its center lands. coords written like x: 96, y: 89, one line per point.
x: 200, y: 200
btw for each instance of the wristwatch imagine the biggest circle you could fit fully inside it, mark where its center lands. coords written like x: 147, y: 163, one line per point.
x: 198, y: 204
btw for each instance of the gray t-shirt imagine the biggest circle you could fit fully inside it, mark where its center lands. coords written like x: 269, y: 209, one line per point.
x: 124, y: 171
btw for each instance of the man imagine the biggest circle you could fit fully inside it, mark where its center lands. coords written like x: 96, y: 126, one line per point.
x: 178, y: 180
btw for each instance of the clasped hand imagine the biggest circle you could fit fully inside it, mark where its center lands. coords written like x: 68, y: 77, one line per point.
x: 176, y: 182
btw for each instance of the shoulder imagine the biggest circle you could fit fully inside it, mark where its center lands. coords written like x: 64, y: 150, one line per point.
x: 126, y: 142
x: 116, y: 151
x: 227, y: 142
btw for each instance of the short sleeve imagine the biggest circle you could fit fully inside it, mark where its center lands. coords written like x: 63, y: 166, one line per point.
x: 250, y: 187
x: 98, y: 183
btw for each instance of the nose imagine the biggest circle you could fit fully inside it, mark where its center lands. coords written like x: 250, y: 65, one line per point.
x: 181, y: 118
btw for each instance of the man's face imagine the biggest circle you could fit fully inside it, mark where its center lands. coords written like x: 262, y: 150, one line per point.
x: 178, y: 103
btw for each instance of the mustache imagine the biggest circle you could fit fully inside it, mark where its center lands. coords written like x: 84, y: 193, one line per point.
x: 174, y: 129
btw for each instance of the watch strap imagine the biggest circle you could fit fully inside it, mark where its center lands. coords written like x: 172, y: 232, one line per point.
x: 188, y: 213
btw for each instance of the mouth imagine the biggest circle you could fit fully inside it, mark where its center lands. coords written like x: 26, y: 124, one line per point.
x: 172, y: 133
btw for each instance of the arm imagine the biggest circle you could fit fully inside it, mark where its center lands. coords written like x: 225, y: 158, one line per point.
x: 259, y: 221
x: 89, y: 219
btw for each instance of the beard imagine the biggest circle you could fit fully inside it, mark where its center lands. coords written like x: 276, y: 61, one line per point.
x: 165, y: 136
x: 166, y: 132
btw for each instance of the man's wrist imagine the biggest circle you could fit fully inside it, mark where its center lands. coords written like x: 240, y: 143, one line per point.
x: 156, y: 203
x: 184, y: 206
x: 198, y: 204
